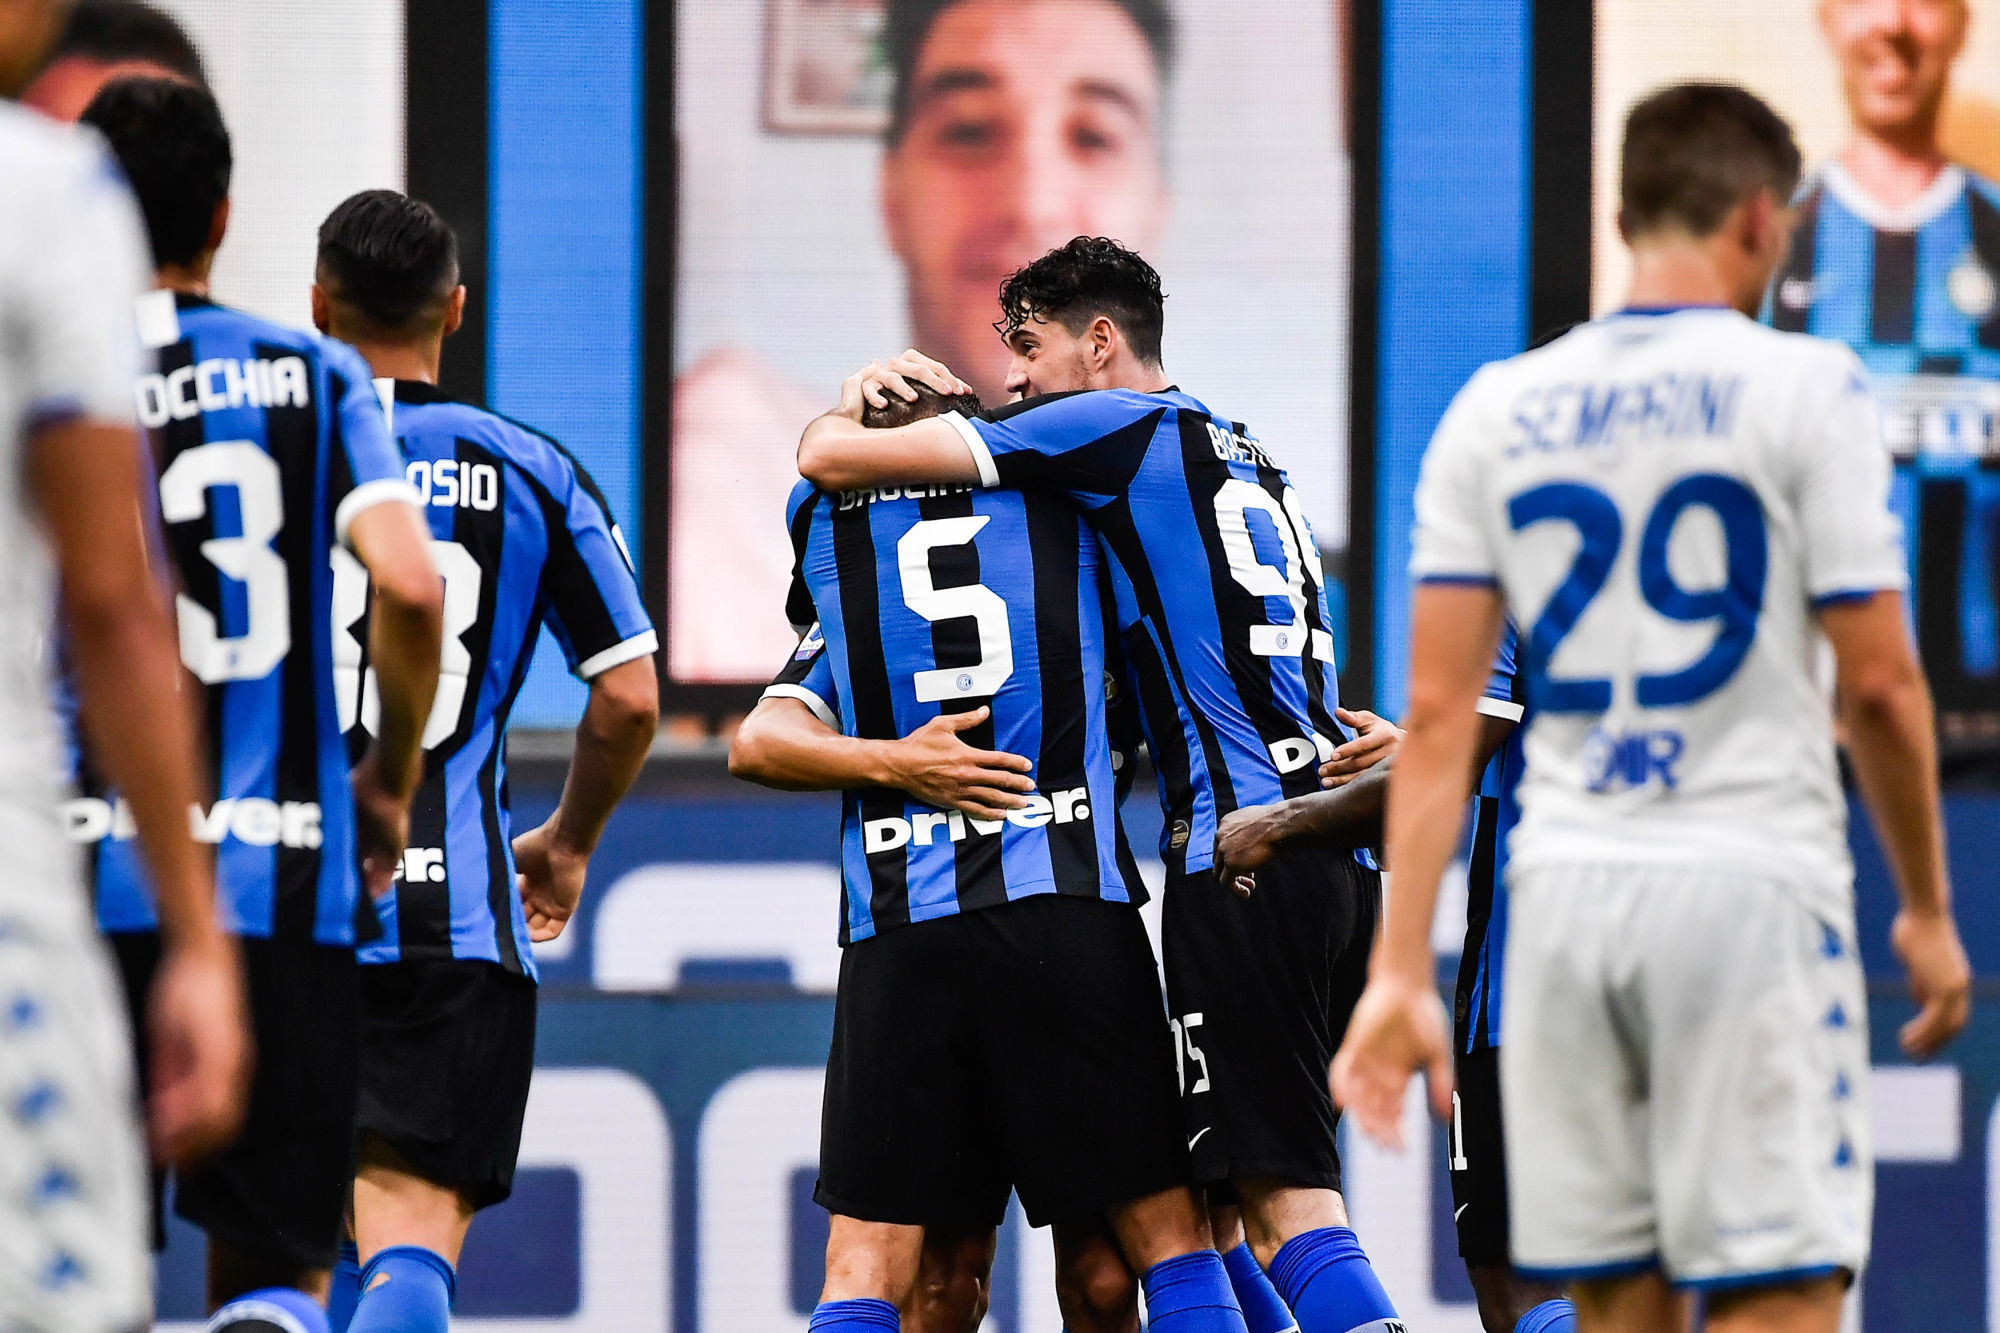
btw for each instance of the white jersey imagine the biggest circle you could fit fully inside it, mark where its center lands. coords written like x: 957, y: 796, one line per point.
x: 1664, y: 498
x: 73, y: 258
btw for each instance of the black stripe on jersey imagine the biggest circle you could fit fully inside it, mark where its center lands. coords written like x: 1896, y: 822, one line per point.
x: 979, y: 875
x: 1237, y: 610
x: 1986, y: 249
x: 292, y: 435
x: 1114, y: 524
x: 423, y: 908
x: 1798, y: 269
x: 874, y: 714
x: 1311, y: 668
x: 483, y: 534
x: 799, y: 610
x: 494, y: 798
x: 199, y: 578
x: 1055, y: 536
x: 1105, y: 466
x: 1892, y: 303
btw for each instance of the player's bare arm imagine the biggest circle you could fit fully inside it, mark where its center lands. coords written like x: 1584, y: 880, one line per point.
x: 87, y: 482
x: 612, y: 740
x: 1399, y: 1025
x: 837, y: 453
x: 1347, y: 814
x: 1885, y: 711
x: 405, y: 636
x: 782, y: 745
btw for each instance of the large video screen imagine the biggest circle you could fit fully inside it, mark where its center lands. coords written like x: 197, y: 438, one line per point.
x: 858, y: 176
x: 1897, y: 107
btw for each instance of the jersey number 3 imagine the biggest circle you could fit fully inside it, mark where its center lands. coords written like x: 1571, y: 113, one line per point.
x: 1734, y: 605
x: 248, y: 558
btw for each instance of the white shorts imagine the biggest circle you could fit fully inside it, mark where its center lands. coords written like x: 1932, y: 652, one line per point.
x: 1684, y: 1063
x: 73, y: 1203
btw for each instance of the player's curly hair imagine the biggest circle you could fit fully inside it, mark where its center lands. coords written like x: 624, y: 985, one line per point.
x: 1075, y: 283
x: 169, y: 137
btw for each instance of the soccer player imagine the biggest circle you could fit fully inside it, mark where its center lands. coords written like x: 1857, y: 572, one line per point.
x: 999, y: 1022
x: 1225, y: 620
x: 73, y: 545
x: 1897, y: 255
x: 104, y: 40
x: 1249, y: 837
x: 1677, y: 505
x: 524, y: 539
x: 273, y: 456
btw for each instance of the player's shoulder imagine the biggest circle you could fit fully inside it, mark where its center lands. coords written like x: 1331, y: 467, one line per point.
x: 1983, y: 189
x: 271, y: 337
x: 535, y: 453
x: 35, y: 150
x: 1091, y: 406
x: 804, y: 497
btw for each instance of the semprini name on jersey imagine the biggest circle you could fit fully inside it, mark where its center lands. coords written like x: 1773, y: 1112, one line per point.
x: 1660, y: 407
x: 220, y: 383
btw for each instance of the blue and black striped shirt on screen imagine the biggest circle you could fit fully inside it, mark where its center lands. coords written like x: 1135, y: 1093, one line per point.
x: 269, y: 442
x: 943, y: 599
x: 523, y: 539
x: 1220, y: 589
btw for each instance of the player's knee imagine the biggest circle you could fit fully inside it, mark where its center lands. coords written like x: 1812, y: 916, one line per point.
x: 1097, y: 1292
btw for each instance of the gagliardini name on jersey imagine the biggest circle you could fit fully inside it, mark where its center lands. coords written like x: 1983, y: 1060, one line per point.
x: 219, y: 383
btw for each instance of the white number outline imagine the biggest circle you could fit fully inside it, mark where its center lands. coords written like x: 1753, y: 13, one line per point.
x: 249, y: 559
x: 1234, y: 500
x: 973, y: 601
x: 358, y: 696
x: 1184, y: 1038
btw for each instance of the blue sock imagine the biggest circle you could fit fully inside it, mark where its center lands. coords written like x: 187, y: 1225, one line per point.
x: 1190, y: 1293
x: 346, y: 1288
x: 852, y: 1316
x: 1549, y: 1317
x: 281, y: 1308
x: 1326, y: 1278
x: 405, y: 1289
x: 1263, y: 1310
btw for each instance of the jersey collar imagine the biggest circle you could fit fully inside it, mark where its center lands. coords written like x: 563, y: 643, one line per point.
x: 416, y: 391
x: 1942, y: 194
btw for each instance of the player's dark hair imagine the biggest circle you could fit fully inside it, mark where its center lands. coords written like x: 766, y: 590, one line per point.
x: 1695, y: 151
x: 909, y: 22
x: 111, y: 31
x: 169, y: 137
x: 390, y: 258
x: 1075, y: 283
x: 929, y: 403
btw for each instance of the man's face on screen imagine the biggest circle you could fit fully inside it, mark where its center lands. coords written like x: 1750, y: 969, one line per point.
x: 28, y: 28
x: 1030, y: 122
x: 1895, y: 59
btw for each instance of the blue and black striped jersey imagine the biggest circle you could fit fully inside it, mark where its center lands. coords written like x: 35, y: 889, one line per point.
x: 1916, y: 292
x: 1496, y: 809
x: 943, y: 599
x: 269, y: 442
x: 524, y: 539
x: 1221, y: 595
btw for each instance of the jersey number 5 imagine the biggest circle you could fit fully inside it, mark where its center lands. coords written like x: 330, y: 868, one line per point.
x: 973, y: 601
x: 1734, y: 605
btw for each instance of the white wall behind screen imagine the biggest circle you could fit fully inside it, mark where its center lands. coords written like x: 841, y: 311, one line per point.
x: 313, y: 91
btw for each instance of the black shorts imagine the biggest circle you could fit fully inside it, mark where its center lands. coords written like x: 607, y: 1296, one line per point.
x: 1478, y: 1159
x: 447, y: 1052
x: 1260, y: 990
x: 1020, y: 1046
x: 281, y: 1187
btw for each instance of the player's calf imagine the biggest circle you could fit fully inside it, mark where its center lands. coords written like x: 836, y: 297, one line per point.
x: 1506, y: 1299
x: 1800, y: 1307
x: 1095, y: 1288
x: 871, y: 1274
x: 954, y: 1281
x: 1165, y: 1238
x: 1315, y: 1260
